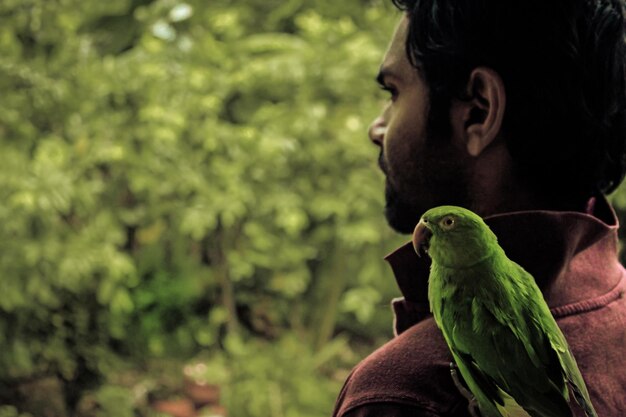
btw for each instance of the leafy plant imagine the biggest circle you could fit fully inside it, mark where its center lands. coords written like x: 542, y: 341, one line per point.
x: 178, y: 175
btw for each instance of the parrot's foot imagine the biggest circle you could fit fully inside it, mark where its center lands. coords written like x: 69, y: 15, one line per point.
x: 472, y: 406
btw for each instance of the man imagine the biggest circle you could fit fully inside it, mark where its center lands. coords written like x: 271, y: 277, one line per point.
x: 516, y: 110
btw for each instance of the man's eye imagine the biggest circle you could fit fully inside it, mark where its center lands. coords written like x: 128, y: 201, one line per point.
x: 392, y: 91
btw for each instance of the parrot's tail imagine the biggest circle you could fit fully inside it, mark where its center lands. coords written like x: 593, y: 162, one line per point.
x: 582, y: 398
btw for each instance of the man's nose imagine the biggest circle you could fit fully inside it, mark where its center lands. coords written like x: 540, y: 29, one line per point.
x: 377, y: 131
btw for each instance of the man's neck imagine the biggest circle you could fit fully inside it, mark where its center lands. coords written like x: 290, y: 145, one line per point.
x: 495, y: 188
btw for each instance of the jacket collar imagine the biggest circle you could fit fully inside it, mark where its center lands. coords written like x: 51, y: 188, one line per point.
x: 572, y: 255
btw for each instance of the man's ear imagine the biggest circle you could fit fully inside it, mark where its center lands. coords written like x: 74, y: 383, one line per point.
x: 478, y: 119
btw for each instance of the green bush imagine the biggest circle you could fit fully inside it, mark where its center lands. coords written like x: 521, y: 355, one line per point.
x: 175, y: 174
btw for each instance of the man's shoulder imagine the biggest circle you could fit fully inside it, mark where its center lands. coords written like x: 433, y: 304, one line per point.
x: 411, y: 369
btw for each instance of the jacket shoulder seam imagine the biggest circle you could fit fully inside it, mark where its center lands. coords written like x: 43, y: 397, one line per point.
x: 591, y: 304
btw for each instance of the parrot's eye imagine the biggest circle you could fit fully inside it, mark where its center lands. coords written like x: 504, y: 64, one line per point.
x: 447, y: 223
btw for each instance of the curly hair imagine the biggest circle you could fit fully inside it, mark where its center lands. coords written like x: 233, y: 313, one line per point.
x: 562, y: 64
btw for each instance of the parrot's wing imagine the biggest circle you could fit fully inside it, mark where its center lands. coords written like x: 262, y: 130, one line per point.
x: 542, y: 321
x: 530, y: 336
x: 524, y: 366
x: 499, y: 351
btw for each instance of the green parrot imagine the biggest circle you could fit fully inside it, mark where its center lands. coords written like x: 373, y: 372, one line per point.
x: 503, y: 338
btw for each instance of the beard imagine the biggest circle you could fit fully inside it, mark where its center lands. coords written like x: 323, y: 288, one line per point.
x: 401, y: 214
x: 438, y: 175
x: 445, y: 185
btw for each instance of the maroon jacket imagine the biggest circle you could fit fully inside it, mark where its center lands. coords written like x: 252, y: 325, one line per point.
x: 573, y: 257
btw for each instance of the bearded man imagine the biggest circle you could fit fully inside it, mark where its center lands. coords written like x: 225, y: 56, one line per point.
x: 517, y: 111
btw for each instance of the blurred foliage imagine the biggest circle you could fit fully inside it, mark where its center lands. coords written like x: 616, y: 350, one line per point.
x: 191, y: 179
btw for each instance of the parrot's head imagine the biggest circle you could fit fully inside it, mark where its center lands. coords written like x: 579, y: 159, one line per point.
x: 454, y: 237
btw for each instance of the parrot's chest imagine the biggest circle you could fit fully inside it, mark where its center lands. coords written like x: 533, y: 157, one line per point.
x: 458, y: 304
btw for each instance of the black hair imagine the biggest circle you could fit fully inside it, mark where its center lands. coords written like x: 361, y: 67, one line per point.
x: 562, y: 64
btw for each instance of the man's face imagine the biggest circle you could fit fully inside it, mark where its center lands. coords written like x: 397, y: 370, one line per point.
x: 422, y: 168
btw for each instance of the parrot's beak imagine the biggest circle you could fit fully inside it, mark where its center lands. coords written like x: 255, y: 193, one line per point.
x: 421, y: 237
